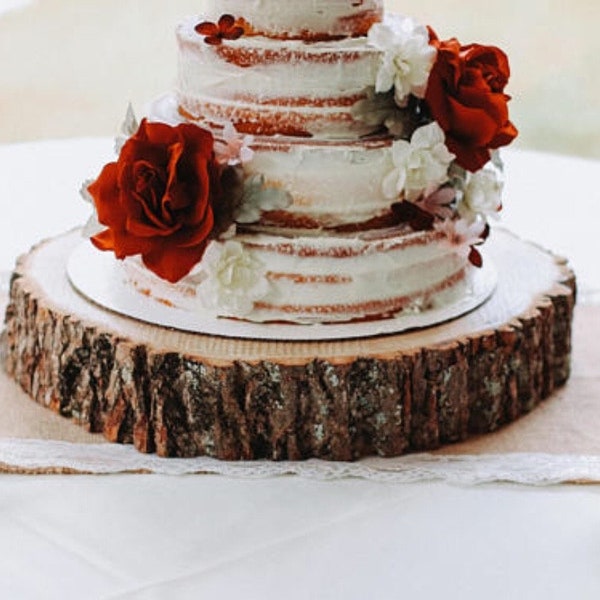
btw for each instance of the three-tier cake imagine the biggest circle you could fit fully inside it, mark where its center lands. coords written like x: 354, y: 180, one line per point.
x: 319, y: 162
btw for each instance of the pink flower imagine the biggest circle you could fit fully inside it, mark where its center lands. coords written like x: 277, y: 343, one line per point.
x: 233, y: 149
x: 463, y: 236
x: 439, y: 203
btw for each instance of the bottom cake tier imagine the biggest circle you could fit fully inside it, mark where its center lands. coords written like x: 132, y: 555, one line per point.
x: 185, y: 394
x: 315, y: 279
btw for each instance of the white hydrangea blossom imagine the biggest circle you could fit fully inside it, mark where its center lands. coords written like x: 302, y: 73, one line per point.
x: 482, y: 196
x: 420, y: 166
x: 407, y: 56
x: 235, y: 279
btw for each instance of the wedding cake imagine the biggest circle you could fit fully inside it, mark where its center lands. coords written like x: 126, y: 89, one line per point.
x: 319, y: 162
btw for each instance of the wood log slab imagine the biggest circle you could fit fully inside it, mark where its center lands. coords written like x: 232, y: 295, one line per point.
x: 181, y: 395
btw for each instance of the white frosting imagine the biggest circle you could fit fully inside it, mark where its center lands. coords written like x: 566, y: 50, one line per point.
x: 335, y: 184
x: 321, y: 279
x: 295, y: 17
x: 309, y: 86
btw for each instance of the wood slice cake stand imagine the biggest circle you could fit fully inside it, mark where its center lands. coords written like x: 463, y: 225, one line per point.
x: 183, y: 394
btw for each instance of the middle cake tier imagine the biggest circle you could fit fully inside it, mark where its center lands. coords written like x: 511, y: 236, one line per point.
x: 328, y: 185
x: 264, y: 277
x: 325, y: 184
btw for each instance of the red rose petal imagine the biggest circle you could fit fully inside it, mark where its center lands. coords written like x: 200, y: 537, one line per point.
x: 505, y: 136
x: 235, y: 33
x: 201, y: 192
x: 213, y: 40
x: 471, y: 122
x: 226, y: 22
x: 104, y: 240
x: 492, y: 61
x: 467, y: 156
x: 159, y: 135
x: 150, y: 229
x: 175, y: 153
x: 475, y: 258
x: 105, y: 193
x: 171, y: 263
x: 197, y: 140
x: 195, y: 235
x: 121, y: 243
x: 207, y: 28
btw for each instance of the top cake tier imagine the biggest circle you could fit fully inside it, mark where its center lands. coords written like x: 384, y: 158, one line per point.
x: 302, y: 19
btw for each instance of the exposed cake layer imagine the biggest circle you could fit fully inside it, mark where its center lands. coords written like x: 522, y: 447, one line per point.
x: 304, y: 19
x: 268, y: 87
x: 315, y: 279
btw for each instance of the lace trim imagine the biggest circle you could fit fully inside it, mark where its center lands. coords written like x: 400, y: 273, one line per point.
x: 41, y: 456
x: 37, y: 456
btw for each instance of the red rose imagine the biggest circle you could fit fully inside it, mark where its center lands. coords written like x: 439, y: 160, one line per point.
x: 465, y: 95
x: 156, y: 199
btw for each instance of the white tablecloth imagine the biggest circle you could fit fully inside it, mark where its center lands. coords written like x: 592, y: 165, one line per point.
x: 134, y: 536
x: 142, y: 537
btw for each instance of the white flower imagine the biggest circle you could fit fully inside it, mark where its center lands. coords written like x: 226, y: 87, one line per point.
x: 84, y: 191
x: 421, y: 165
x: 93, y: 226
x: 258, y: 198
x: 128, y: 128
x: 407, y: 56
x: 482, y: 196
x: 235, y: 279
x: 165, y: 109
x: 461, y: 235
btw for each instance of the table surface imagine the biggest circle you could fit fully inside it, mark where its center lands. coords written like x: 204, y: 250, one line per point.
x: 154, y: 536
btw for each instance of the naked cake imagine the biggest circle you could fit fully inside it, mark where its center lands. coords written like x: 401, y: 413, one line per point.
x: 319, y: 162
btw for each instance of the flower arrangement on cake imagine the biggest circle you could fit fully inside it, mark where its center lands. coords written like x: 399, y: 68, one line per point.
x: 213, y: 198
